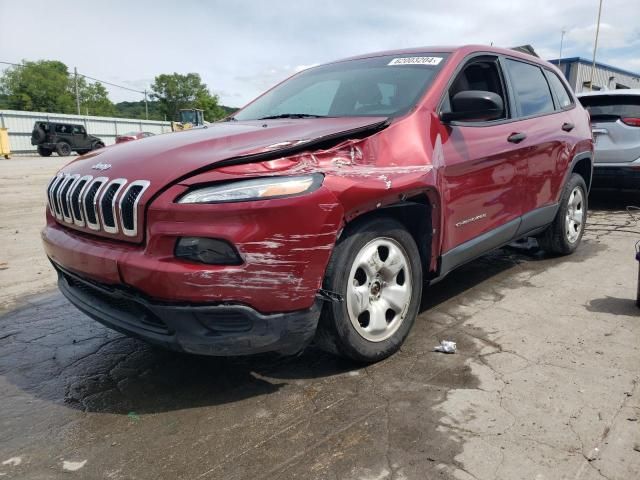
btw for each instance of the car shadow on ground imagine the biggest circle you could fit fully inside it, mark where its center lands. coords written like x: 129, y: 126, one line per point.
x: 617, y: 306
x: 613, y: 200
x: 91, y: 368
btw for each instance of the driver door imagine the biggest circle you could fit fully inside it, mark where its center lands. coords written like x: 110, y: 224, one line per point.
x: 483, y: 172
x: 80, y: 138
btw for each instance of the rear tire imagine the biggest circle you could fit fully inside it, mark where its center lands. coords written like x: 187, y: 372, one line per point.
x: 376, y: 268
x: 44, y: 152
x: 564, y: 234
x: 63, y: 149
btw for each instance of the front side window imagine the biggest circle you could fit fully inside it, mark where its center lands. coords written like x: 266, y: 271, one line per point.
x: 388, y: 85
x: 479, y: 75
x: 531, y: 88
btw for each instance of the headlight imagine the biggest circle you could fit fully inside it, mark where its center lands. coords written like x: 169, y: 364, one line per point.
x: 255, y: 189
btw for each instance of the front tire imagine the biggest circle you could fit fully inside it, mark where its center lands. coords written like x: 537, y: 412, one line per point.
x: 97, y: 145
x: 376, y: 268
x: 63, y: 149
x: 564, y: 234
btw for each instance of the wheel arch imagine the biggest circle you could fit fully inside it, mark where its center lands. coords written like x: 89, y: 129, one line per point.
x: 418, y: 214
x: 582, y: 164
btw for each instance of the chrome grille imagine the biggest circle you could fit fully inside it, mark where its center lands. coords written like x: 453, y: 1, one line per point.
x: 50, y: 188
x: 76, y: 204
x: 56, y: 197
x: 108, y: 205
x: 90, y: 202
x: 129, y: 206
x: 64, y: 197
x: 99, y: 204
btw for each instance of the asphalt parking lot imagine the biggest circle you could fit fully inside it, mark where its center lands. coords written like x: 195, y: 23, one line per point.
x: 545, y: 383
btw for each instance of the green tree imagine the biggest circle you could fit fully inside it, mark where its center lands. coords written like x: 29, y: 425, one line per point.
x: 94, y: 99
x: 175, y: 91
x: 137, y: 110
x: 42, y: 86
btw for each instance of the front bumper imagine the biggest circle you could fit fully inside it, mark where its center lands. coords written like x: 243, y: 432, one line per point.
x: 616, y: 177
x: 285, y: 245
x: 220, y: 330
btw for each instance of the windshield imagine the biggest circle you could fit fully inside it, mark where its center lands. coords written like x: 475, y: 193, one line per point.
x: 378, y: 86
x: 188, y: 116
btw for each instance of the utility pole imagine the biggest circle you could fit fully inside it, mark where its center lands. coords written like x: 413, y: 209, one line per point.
x: 146, y: 107
x: 561, y: 40
x: 595, y: 47
x: 75, y: 73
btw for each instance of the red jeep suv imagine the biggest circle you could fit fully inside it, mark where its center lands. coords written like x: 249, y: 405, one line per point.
x: 321, y: 209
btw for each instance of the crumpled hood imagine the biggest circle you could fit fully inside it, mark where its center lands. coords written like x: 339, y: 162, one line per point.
x: 164, y: 158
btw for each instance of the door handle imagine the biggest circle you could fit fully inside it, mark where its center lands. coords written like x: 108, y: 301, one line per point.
x: 567, y: 127
x: 516, y: 137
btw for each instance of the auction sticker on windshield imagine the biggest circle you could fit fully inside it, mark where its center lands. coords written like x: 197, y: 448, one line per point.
x: 415, y: 61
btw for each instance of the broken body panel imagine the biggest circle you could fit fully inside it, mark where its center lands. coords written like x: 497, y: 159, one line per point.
x: 469, y: 182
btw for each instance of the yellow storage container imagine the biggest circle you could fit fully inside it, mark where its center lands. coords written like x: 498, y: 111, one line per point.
x: 5, y: 148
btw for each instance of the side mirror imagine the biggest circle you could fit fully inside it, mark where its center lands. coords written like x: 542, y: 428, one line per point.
x: 474, y: 106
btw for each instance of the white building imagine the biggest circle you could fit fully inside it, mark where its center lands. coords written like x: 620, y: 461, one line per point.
x: 605, y: 77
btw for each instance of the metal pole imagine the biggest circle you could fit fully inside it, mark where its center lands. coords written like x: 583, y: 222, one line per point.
x: 75, y: 73
x: 595, y: 47
x: 146, y: 107
x: 561, y: 40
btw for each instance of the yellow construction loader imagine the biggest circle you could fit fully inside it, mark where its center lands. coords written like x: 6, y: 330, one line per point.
x: 189, y: 118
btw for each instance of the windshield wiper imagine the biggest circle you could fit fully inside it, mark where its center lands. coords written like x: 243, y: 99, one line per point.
x: 292, y: 115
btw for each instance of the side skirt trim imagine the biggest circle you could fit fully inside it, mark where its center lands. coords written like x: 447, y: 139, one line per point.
x: 530, y: 223
x: 478, y: 246
x: 540, y: 217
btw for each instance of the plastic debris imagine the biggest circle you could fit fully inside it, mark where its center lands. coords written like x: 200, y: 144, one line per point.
x: 446, y: 346
x: 73, y: 466
x: 13, y: 461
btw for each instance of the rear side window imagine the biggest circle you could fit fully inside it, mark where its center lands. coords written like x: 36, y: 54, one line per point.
x: 603, y: 107
x: 531, y: 88
x: 560, y: 90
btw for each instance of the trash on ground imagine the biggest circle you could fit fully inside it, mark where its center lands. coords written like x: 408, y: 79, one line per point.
x: 527, y: 243
x: 73, y: 466
x: 13, y: 461
x: 446, y: 346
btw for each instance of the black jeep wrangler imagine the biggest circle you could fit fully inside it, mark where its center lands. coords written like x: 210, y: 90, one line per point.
x: 63, y: 138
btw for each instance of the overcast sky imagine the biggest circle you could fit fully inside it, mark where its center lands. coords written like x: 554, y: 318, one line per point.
x: 242, y: 47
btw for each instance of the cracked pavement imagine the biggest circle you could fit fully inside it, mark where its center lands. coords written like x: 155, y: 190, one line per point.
x: 545, y: 384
